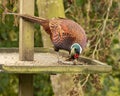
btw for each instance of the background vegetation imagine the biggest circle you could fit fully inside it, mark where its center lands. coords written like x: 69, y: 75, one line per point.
x: 100, y: 19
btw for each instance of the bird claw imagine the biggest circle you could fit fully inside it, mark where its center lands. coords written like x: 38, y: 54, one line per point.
x: 69, y: 59
x: 66, y: 62
x: 59, y: 62
x: 72, y: 62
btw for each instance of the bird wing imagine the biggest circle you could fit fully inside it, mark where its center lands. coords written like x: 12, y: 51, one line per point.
x: 56, y: 29
x: 61, y: 29
x: 74, y: 31
x: 65, y: 32
x: 61, y: 38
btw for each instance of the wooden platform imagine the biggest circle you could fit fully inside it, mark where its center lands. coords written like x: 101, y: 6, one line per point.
x: 47, y: 62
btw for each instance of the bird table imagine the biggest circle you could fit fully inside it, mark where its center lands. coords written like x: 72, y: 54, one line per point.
x: 45, y: 61
x: 27, y: 62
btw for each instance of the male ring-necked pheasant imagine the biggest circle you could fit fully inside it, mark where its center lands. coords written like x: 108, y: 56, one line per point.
x: 64, y: 33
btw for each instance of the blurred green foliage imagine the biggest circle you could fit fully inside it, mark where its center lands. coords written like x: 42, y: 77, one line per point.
x: 42, y: 85
x: 91, y: 14
x: 8, y: 85
x: 9, y: 31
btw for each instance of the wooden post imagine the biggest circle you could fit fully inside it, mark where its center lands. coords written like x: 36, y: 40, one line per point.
x: 25, y: 85
x: 26, y: 47
x: 26, y: 34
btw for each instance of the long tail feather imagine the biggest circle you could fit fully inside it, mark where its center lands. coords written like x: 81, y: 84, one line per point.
x: 30, y: 18
x: 34, y: 19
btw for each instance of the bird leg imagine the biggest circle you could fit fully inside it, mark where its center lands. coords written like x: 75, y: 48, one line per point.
x: 57, y: 53
x: 58, y: 57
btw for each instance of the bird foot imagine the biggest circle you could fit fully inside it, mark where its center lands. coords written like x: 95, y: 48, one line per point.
x: 74, y: 61
x: 66, y: 62
x: 59, y: 62
x: 68, y: 59
x: 70, y: 62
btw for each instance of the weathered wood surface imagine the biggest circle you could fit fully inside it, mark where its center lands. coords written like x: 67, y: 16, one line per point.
x: 25, y: 85
x: 26, y: 34
x: 47, y: 62
x: 14, y: 49
x: 26, y: 47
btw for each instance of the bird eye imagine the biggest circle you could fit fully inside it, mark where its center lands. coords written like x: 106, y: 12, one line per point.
x: 75, y: 49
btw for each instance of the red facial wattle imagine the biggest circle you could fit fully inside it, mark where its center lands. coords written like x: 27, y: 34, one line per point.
x: 76, y: 56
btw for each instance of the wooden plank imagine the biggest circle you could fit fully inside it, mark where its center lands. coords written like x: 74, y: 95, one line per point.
x: 25, y: 85
x: 58, y: 69
x: 47, y: 62
x: 15, y: 49
x: 26, y: 34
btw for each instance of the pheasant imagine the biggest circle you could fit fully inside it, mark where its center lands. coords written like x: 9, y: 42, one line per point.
x: 65, y: 34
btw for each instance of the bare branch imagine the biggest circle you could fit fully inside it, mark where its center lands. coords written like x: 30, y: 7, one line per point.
x: 105, y: 21
x: 85, y: 80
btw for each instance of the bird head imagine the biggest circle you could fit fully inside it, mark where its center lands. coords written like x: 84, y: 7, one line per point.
x: 75, y: 51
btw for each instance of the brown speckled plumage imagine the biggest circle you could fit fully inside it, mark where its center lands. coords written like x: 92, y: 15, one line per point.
x: 63, y: 32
